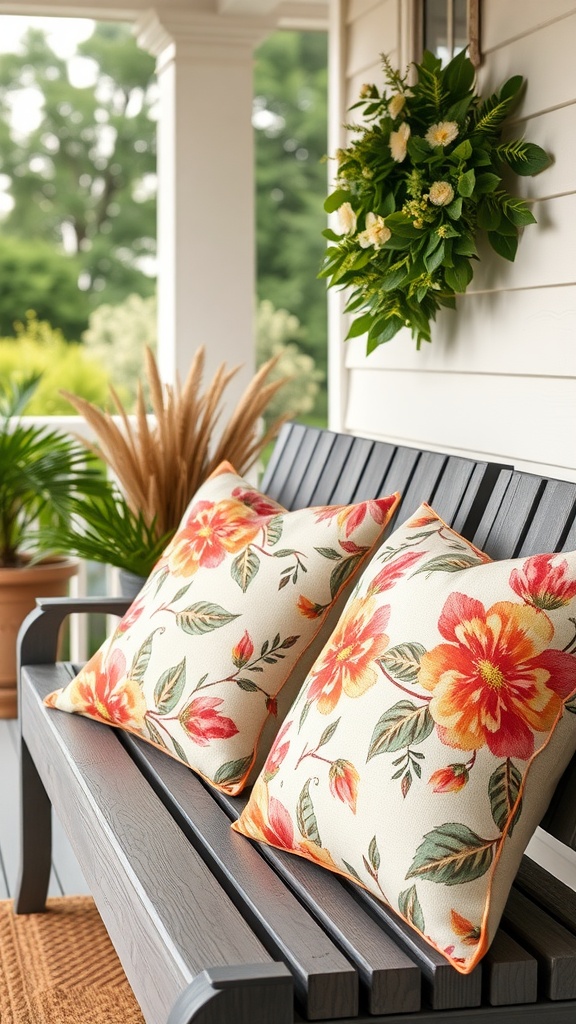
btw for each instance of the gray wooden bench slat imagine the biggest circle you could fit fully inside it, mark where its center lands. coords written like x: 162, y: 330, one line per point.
x: 553, y: 945
x: 322, y: 490
x: 177, y: 936
x: 390, y: 979
x: 549, y: 892
x: 285, y: 485
x: 510, y: 972
x: 445, y: 988
x: 346, y: 488
x: 325, y: 981
x: 327, y: 443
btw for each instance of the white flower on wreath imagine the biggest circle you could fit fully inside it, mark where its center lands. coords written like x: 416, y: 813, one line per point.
x: 441, y: 134
x: 376, y: 232
x: 396, y: 104
x: 441, y: 193
x: 399, y: 142
x: 347, y: 218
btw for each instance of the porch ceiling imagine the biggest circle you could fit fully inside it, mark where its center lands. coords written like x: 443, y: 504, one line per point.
x: 288, y: 14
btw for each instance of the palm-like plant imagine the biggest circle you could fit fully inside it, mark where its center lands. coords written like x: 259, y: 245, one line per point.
x: 42, y: 472
x: 158, y: 466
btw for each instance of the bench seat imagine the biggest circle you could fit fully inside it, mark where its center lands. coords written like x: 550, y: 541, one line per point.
x: 214, y: 929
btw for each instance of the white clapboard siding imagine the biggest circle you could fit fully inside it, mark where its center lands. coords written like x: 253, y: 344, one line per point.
x: 538, y: 340
x: 506, y: 417
x: 372, y: 33
x: 554, y: 131
x: 503, y: 21
x: 358, y: 8
x: 545, y: 58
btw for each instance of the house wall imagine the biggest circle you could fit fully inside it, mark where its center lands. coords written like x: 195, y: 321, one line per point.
x: 499, y: 377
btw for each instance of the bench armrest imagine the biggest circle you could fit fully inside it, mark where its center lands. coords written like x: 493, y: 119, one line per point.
x: 38, y: 636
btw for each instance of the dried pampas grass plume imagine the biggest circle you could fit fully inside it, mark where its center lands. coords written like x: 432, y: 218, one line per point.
x: 160, y: 465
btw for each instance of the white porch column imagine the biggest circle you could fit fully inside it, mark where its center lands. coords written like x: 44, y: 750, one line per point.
x: 206, y: 234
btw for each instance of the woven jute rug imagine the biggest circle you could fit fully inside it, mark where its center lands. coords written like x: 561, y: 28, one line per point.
x: 59, y: 967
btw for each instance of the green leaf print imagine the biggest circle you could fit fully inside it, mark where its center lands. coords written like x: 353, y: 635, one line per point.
x: 503, y: 789
x: 409, y: 906
x: 401, y: 726
x: 168, y: 689
x: 452, y: 854
x: 306, y: 816
x: 203, y: 617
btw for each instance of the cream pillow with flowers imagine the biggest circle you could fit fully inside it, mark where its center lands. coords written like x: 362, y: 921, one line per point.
x: 430, y: 733
x: 217, y: 643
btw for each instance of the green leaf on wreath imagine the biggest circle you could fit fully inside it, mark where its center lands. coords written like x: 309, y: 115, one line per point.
x: 504, y: 245
x: 466, y: 183
x: 503, y: 790
x: 168, y: 689
x: 203, y: 617
x: 403, y: 725
x: 403, y: 661
x: 306, y: 816
x: 452, y: 854
x: 359, y: 326
x: 409, y: 906
x: 244, y: 568
x: 335, y: 200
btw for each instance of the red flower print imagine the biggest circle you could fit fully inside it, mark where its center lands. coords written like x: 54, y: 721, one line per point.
x: 132, y: 615
x: 348, y: 662
x: 211, y: 531
x: 277, y: 753
x: 343, y: 782
x: 496, y: 682
x: 542, y: 584
x: 272, y: 706
x: 393, y: 571
x: 243, y: 650
x: 449, y: 779
x: 261, y: 504
x: 352, y: 516
x: 103, y: 691
x: 202, y: 721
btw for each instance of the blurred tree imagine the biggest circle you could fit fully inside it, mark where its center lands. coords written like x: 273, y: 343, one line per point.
x: 290, y: 118
x: 278, y: 333
x: 34, y: 275
x: 116, y: 338
x: 84, y: 178
x: 38, y: 348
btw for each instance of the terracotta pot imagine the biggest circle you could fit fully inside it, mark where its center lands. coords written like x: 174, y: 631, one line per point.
x: 19, y: 589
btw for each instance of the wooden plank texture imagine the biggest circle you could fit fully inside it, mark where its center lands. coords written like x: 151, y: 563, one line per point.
x: 549, y: 942
x: 162, y: 936
x: 325, y: 982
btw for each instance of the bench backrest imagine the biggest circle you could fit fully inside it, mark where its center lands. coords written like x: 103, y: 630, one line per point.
x: 318, y: 467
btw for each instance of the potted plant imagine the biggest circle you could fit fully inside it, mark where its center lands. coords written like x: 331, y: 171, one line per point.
x: 158, y: 464
x: 42, y: 471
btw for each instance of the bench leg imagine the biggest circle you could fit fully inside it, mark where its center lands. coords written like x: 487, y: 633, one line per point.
x: 246, y: 994
x: 35, y: 838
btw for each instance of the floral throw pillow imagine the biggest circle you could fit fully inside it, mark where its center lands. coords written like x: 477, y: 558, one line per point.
x: 223, y: 625
x: 430, y: 733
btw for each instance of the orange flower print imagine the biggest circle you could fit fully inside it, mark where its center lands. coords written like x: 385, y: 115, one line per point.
x: 310, y: 609
x: 542, y: 584
x: 343, y: 782
x: 449, y: 779
x: 268, y: 820
x: 211, y: 531
x: 495, y: 682
x: 348, y: 662
x: 261, y: 504
x: 203, y: 722
x: 393, y: 571
x: 352, y: 516
x: 243, y: 650
x: 468, y: 933
x: 103, y: 691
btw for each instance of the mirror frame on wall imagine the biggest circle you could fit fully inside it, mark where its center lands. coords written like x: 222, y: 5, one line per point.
x: 416, y: 29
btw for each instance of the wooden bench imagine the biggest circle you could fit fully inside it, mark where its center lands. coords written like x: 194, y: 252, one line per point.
x: 213, y: 929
